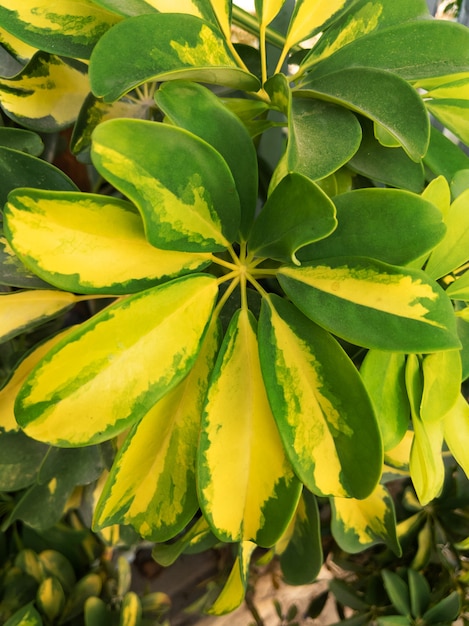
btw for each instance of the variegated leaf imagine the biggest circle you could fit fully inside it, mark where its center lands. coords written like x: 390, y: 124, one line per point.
x: 321, y: 407
x: 359, y: 524
x: 456, y: 432
x: 384, y: 376
x: 89, y: 243
x: 46, y: 95
x: 66, y: 27
x: 158, y: 458
x: 9, y: 392
x: 373, y: 304
x: 459, y: 289
x: 449, y: 103
x: 301, y: 559
x: 200, y: 111
x: 247, y: 489
x: 186, y: 47
x: 234, y: 590
x: 110, y: 371
x: 453, y: 250
x: 196, y: 211
x: 24, y: 310
x: 20, y: 51
x: 442, y: 375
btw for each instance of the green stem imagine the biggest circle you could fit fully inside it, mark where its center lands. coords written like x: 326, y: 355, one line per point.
x: 221, y: 303
x: 250, y: 24
x: 227, y: 264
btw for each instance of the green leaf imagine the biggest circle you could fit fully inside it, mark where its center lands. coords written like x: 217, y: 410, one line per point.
x: 21, y: 311
x: 198, y: 110
x: 96, y: 612
x: 359, y: 524
x: 46, y: 95
x: 131, y: 610
x: 393, y: 620
x: 167, y: 554
x: 239, y: 439
x: 322, y: 410
x: 322, y: 137
x: 88, y: 388
x: 301, y: 559
x: 453, y: 250
x: 390, y: 166
x: 234, y: 590
x: 449, y: 103
x: 364, y: 17
x: 191, y: 208
x: 296, y: 213
x: 21, y: 459
x: 186, y: 47
x: 69, y: 27
x: 76, y: 466
x: 397, y: 591
x: 57, y: 565
x: 384, y: 376
x: 412, y: 50
x: 88, y: 243
x: 18, y: 169
x: 446, y: 610
x: 22, y: 140
x: 419, y: 590
x: 384, y: 98
x: 50, y: 598
x: 87, y: 587
x: 443, y: 156
x: 456, y: 431
x: 442, y: 374
x: 373, y: 304
x: 26, y: 616
x: 158, y: 458
x: 390, y: 225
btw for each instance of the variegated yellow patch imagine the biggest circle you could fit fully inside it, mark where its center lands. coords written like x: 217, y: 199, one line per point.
x: 209, y: 51
x: 309, y: 16
x: 235, y: 587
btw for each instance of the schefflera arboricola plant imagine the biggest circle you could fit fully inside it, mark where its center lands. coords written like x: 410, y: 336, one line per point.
x: 235, y: 420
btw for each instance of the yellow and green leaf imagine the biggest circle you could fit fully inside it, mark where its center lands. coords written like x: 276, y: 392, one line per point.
x: 456, y: 432
x: 196, y: 211
x: 301, y: 559
x: 453, y: 250
x: 234, y: 590
x: 110, y: 371
x: 198, y: 534
x: 247, y: 489
x: 384, y: 376
x: 442, y: 375
x: 68, y: 28
x: 320, y: 404
x: 359, y: 524
x: 373, y: 304
x: 187, y: 47
x: 24, y: 310
x: 131, y: 610
x: 152, y: 484
x: 89, y: 243
x: 200, y: 111
x: 46, y: 95
x: 449, y: 103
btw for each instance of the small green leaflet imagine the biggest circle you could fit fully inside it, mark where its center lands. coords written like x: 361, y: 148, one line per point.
x: 296, y: 213
x: 373, y: 304
x: 186, y: 48
x: 108, y: 372
x: 360, y: 524
x: 191, y: 208
x: 88, y: 243
x: 321, y: 407
x: 239, y: 438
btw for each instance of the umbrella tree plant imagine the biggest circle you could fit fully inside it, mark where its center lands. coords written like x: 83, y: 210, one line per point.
x: 252, y: 347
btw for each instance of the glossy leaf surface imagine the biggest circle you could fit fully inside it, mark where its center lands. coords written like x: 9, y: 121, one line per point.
x: 198, y: 110
x: 193, y: 208
x: 360, y: 524
x: 186, y: 47
x: 296, y: 213
x: 384, y: 98
x: 319, y: 402
x: 158, y: 458
x: 373, y: 304
x: 46, y: 95
x: 239, y: 438
x: 68, y: 28
x: 110, y: 371
x: 89, y: 243
x: 390, y: 225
